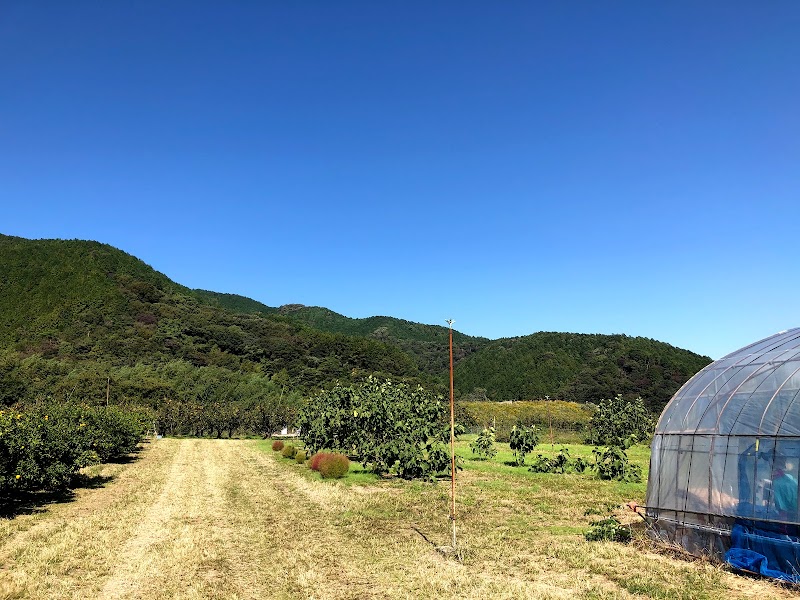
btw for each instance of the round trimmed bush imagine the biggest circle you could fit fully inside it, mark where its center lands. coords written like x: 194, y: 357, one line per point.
x: 300, y: 457
x: 313, y: 462
x: 277, y: 445
x: 289, y: 451
x: 334, y: 466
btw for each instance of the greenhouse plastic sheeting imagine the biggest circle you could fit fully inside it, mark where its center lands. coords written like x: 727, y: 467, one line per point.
x: 726, y: 453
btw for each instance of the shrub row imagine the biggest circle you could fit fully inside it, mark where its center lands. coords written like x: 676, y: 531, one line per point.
x: 289, y: 451
x: 43, y: 447
x: 330, y: 465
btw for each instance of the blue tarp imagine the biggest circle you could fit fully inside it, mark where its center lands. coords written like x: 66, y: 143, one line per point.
x: 770, y: 553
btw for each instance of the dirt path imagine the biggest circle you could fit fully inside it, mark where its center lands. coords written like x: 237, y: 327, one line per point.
x: 195, y: 519
x: 190, y: 519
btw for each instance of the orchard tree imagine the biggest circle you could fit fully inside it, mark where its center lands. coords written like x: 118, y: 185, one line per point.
x: 523, y: 439
x: 483, y: 446
x: 617, y: 420
x: 391, y: 427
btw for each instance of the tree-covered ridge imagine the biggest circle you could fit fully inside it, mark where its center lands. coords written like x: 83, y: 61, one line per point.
x: 429, y: 344
x: 84, y: 301
x: 43, y: 283
x: 233, y: 302
x: 328, y: 320
x: 577, y: 367
x: 78, y: 301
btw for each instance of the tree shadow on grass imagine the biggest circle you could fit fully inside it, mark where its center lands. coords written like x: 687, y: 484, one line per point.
x: 28, y: 503
x: 125, y: 459
x: 32, y: 502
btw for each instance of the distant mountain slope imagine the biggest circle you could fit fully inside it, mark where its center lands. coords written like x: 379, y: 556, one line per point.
x: 77, y: 300
x: 327, y: 320
x: 429, y: 344
x: 578, y: 367
x: 234, y: 302
x: 72, y: 300
x: 47, y: 284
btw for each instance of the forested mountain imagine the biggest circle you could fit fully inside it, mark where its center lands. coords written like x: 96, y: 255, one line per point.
x: 578, y: 367
x: 85, y: 301
x: 234, y: 302
x: 428, y: 344
x: 78, y: 311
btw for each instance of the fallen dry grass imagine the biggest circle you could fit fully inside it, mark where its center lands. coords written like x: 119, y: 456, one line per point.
x: 228, y: 519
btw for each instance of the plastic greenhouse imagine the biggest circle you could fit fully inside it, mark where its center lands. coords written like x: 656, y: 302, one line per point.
x: 724, y: 463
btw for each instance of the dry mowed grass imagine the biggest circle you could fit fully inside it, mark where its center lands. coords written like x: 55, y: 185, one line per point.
x: 230, y: 519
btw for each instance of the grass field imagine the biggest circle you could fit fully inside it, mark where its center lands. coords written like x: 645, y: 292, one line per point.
x: 196, y: 518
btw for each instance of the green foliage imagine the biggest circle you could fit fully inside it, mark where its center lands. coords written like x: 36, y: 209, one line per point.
x: 618, y: 419
x: 577, y: 367
x: 333, y: 465
x: 300, y: 457
x: 522, y: 440
x: 608, y: 530
x: 427, y: 344
x: 233, y: 302
x: 289, y: 451
x: 42, y: 448
x: 483, y: 446
x: 392, y: 427
x: 561, y: 463
x: 277, y: 445
x: 186, y: 399
x: 579, y: 465
x: 613, y: 463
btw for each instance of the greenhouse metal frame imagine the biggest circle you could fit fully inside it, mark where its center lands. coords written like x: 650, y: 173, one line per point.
x: 725, y: 457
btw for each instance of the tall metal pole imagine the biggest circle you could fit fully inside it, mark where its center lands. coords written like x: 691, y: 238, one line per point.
x: 452, y: 441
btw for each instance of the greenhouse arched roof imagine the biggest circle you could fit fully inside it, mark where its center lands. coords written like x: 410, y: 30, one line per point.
x: 753, y: 391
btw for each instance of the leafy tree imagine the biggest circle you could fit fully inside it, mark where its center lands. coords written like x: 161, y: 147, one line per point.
x: 613, y: 463
x: 523, y: 439
x: 392, y: 427
x: 618, y: 419
x: 483, y: 446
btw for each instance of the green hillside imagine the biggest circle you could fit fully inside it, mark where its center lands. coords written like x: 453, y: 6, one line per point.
x: 94, y: 309
x: 85, y: 301
x: 59, y: 288
x: 577, y: 367
x: 234, y: 302
x: 428, y: 344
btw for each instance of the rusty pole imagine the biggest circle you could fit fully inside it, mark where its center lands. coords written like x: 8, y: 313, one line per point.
x: 452, y: 442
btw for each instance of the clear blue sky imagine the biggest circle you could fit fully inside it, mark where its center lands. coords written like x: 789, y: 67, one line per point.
x: 595, y: 167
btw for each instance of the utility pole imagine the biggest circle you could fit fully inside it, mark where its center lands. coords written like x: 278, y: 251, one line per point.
x: 108, y: 389
x: 452, y: 442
